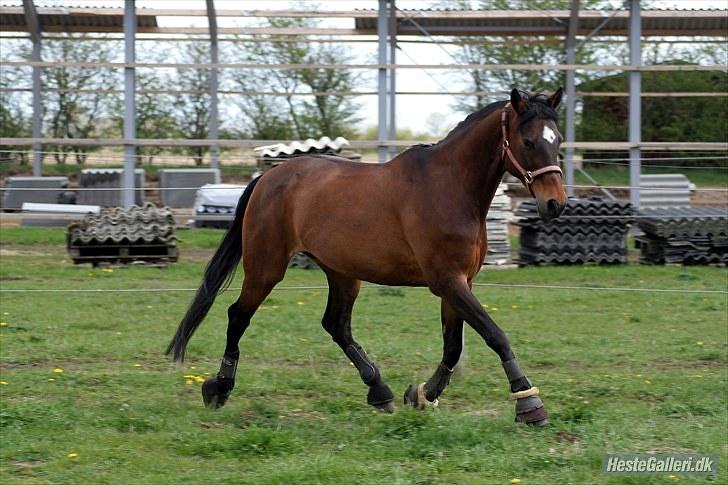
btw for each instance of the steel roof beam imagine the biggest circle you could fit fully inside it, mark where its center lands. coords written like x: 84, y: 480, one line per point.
x: 130, y: 24
x: 571, y: 93
x: 213, y: 131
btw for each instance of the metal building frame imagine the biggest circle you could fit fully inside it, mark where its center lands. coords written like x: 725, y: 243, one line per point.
x: 387, y: 23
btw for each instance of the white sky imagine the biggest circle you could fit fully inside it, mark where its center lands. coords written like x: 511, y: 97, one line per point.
x: 412, y: 111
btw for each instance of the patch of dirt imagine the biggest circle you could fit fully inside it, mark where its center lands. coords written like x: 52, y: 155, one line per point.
x: 667, y: 363
x: 564, y: 436
x: 21, y: 252
x: 709, y: 198
x: 206, y: 425
x: 491, y: 413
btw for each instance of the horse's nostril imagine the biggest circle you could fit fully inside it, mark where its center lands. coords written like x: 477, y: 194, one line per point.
x: 553, y: 206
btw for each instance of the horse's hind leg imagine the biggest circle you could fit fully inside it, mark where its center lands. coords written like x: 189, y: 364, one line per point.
x: 215, y: 391
x: 337, y: 322
x: 452, y: 336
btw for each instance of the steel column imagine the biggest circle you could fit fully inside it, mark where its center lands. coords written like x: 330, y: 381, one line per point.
x: 382, y: 33
x: 635, y: 101
x: 31, y: 19
x: 392, y: 75
x: 571, y: 94
x: 130, y: 25
x: 213, y: 131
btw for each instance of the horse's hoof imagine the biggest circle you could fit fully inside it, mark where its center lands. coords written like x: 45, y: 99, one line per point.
x: 415, y: 396
x: 410, y: 396
x: 386, y: 407
x: 530, y: 410
x: 212, y: 396
x: 381, y: 397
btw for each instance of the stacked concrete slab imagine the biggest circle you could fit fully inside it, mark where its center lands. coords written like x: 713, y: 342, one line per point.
x: 269, y: 156
x: 19, y: 190
x: 685, y: 235
x: 108, y: 178
x: 589, y: 231
x: 496, y: 224
x: 664, y: 190
x: 178, y: 186
x: 118, y: 235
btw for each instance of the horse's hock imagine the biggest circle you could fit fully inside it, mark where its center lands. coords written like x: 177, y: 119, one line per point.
x: 117, y: 235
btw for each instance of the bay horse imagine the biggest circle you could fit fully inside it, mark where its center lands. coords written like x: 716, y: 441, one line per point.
x: 417, y: 220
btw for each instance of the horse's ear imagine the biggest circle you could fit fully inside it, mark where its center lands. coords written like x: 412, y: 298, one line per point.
x: 555, y: 98
x: 517, y: 101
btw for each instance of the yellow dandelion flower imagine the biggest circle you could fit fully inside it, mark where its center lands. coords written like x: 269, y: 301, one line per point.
x: 647, y: 381
x: 514, y: 306
x: 6, y: 313
x: 205, y: 373
x: 485, y: 305
x: 495, y: 309
x: 3, y: 324
x: 58, y: 370
x: 673, y: 478
x: 199, y: 379
x: 190, y: 381
x: 72, y: 455
x: 107, y: 270
x: 193, y: 367
x: 51, y: 380
x: 699, y: 343
x: 3, y: 383
x: 137, y: 365
x: 189, y: 376
x: 515, y: 480
x: 300, y: 303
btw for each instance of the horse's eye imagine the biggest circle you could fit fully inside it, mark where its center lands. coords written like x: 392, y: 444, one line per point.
x: 529, y: 144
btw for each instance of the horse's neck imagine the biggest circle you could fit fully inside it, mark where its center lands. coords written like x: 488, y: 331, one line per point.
x: 476, y: 156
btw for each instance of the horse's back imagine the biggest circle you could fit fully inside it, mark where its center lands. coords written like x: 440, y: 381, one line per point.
x: 343, y: 213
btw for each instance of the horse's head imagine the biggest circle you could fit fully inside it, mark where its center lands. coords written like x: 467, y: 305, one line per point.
x: 531, y: 147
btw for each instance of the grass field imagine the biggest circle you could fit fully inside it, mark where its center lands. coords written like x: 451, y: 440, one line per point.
x: 88, y: 397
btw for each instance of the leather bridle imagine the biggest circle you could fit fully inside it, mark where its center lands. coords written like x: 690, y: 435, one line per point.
x: 526, y: 176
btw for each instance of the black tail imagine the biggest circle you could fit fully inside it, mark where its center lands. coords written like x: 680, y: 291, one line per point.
x: 218, y: 274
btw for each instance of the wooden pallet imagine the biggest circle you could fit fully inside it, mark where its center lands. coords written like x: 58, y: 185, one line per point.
x: 122, y: 253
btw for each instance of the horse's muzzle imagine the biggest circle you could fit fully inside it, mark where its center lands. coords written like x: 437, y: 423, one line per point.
x: 550, y: 209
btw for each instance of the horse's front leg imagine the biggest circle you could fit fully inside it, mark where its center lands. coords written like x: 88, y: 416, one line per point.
x: 452, y: 336
x: 457, y: 294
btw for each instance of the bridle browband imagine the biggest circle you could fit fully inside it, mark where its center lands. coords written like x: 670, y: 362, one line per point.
x: 526, y: 176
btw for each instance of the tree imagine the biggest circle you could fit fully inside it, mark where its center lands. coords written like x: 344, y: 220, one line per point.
x: 663, y: 118
x: 73, y: 114
x: 510, y: 51
x: 154, y: 113
x: 14, y: 120
x: 281, y: 117
x: 191, y: 111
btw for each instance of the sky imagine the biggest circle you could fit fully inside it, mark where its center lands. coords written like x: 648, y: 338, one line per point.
x: 413, y: 111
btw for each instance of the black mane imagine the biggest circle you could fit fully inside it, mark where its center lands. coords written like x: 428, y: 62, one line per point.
x: 538, y: 108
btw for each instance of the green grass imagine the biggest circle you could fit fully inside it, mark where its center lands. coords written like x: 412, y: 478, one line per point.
x: 619, y: 372
x: 611, y: 175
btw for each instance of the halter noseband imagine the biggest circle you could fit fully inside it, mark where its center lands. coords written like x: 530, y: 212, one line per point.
x: 526, y: 176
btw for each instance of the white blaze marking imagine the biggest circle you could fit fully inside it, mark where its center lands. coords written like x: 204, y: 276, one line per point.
x: 548, y: 134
